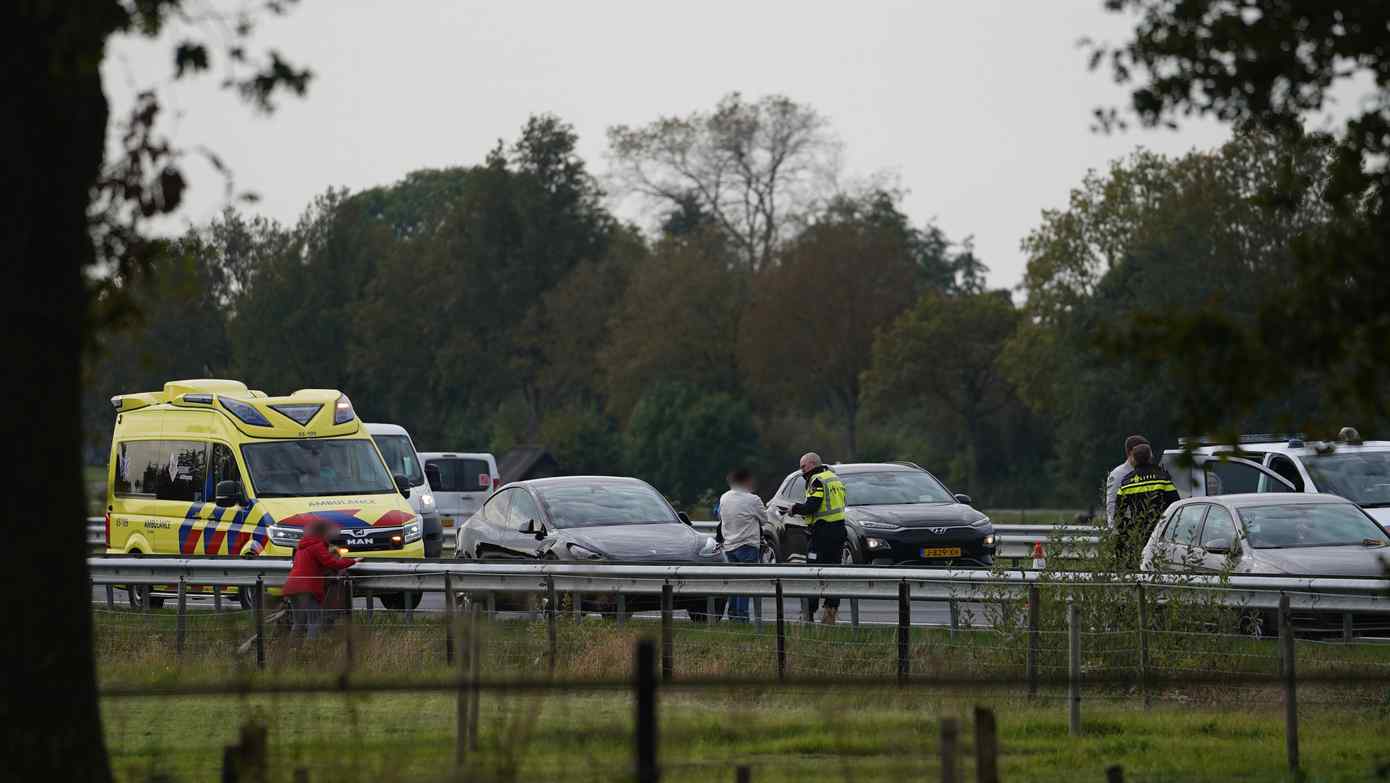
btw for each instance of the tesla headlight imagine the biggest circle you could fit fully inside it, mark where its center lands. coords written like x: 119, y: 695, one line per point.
x: 870, y: 524
x: 413, y: 531
x: 285, y: 536
x: 710, y: 548
x: 583, y: 553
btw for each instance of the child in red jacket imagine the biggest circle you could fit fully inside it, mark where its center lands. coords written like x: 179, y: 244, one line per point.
x: 314, y: 562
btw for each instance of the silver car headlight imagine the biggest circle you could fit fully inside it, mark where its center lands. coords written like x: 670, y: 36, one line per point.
x: 870, y: 524
x: 413, y: 530
x: 285, y: 536
x: 583, y: 553
x: 427, y: 500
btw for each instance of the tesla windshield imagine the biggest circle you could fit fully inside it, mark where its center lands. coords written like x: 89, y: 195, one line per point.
x: 891, y: 488
x: 591, y: 505
x: 313, y: 468
x: 1309, y: 524
x: 1362, y: 478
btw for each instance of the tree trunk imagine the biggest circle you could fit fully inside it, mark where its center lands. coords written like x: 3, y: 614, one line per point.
x: 53, y: 141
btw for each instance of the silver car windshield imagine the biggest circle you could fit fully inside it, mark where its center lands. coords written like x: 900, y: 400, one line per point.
x: 892, y: 488
x: 1288, y: 526
x: 591, y: 505
x: 1362, y: 477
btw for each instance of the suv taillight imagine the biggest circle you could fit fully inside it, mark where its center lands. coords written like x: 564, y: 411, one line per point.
x: 108, y: 530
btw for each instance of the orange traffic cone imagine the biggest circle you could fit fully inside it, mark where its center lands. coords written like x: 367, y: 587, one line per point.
x: 1039, y: 558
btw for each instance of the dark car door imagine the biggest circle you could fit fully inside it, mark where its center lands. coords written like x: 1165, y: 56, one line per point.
x: 479, y: 535
x: 521, y: 512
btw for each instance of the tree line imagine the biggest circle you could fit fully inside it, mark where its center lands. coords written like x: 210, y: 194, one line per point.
x: 768, y: 309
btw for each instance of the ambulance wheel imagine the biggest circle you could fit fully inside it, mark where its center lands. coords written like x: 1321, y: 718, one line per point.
x: 136, y: 595
x: 395, y: 602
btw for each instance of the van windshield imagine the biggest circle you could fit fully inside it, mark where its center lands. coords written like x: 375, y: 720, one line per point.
x: 400, y: 455
x: 1361, y: 477
x: 312, y: 468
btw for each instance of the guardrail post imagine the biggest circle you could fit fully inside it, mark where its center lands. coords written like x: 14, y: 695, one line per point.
x: 448, y: 618
x: 1286, y: 648
x: 408, y: 599
x: 475, y: 665
x: 1073, y: 669
x: 622, y: 610
x: 756, y: 604
x: 954, y: 608
x: 217, y: 598
x: 646, y: 712
x: 781, y: 634
x: 461, y: 706
x: 552, y: 609
x: 578, y: 600
x: 854, y: 612
x: 181, y: 622
x: 986, y: 747
x: 904, y: 629
x: 950, y: 747
x: 111, y: 597
x: 145, y: 598
x: 668, y: 642
x: 1143, y: 644
x: 491, y: 605
x: 367, y: 593
x: 1348, y: 633
x: 258, y: 614
x: 1034, y: 620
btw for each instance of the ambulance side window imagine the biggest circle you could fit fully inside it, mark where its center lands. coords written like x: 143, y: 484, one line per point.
x: 224, y: 466
x: 166, y: 469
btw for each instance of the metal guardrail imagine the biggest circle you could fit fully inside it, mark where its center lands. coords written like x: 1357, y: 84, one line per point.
x: 1011, y: 541
x: 1321, y: 593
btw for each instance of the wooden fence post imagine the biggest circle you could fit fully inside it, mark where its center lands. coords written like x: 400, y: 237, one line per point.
x: 462, y: 709
x: 1034, y: 637
x: 475, y: 668
x: 552, y: 611
x: 181, y: 622
x: 258, y: 611
x: 1073, y: 669
x: 904, y: 630
x: 448, y: 618
x: 646, y: 712
x: 950, y: 749
x: 668, y: 642
x: 986, y: 747
x: 781, y: 634
x: 1286, y: 648
x: 1143, y: 645
x: 1114, y: 774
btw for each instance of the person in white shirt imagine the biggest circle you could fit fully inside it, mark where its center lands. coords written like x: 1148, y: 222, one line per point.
x: 741, y: 519
x: 1117, y: 476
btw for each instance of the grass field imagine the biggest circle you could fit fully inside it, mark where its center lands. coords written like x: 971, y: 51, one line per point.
x: 855, y: 733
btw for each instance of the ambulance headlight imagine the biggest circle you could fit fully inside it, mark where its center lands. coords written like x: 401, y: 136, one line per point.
x: 285, y: 536
x: 413, y: 531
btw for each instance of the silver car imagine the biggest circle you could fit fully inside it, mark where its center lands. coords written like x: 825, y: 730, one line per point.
x: 1269, y: 533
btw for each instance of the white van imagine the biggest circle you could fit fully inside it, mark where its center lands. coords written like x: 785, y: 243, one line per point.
x: 461, y: 481
x: 1356, y: 469
x: 399, y: 450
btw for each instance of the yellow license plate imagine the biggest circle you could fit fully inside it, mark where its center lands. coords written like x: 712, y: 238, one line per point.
x: 446, y: 521
x: 941, y: 551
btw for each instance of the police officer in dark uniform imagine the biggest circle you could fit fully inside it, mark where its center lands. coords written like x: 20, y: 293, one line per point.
x: 824, y: 511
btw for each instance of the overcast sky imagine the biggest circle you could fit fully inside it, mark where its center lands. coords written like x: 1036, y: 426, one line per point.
x: 981, y: 109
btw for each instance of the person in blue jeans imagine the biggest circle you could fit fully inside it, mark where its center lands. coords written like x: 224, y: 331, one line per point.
x: 741, y: 519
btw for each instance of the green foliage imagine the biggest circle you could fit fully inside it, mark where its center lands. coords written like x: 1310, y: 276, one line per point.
x: 684, y: 440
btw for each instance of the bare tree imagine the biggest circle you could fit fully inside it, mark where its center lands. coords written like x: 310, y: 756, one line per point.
x: 754, y: 167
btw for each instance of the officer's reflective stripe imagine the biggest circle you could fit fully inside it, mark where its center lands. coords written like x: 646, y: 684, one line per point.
x: 1158, y: 485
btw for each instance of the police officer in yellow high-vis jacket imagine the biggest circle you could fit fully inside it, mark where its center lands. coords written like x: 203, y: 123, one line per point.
x: 824, y: 511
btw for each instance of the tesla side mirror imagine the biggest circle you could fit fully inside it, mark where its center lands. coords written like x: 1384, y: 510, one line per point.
x: 685, y: 518
x: 1218, y: 546
x: 432, y: 477
x: 403, y: 484
x: 533, y: 528
x: 229, y: 493
x: 962, y: 498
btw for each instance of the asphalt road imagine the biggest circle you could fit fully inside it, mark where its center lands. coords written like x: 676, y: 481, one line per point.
x: 876, y: 612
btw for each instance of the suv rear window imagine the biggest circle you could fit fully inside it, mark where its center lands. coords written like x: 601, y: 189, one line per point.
x: 461, y: 475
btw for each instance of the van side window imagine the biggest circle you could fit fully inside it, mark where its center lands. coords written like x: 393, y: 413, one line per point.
x: 224, y: 466
x: 1289, y: 471
x: 164, y: 469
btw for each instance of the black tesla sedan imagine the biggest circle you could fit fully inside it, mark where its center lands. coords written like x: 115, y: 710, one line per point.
x: 588, y: 519
x: 897, y: 513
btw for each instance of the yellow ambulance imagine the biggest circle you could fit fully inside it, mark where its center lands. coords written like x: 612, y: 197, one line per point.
x: 210, y: 467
